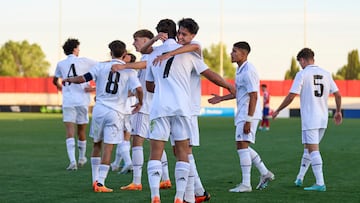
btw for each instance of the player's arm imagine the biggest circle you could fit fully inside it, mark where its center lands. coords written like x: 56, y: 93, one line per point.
x: 57, y: 83
x: 139, y: 94
x: 79, y: 79
x: 150, y: 86
x: 134, y: 65
x: 218, y: 80
x: 184, y: 49
x: 338, y: 115
x: 288, y: 99
x: 147, y: 47
x: 217, y: 98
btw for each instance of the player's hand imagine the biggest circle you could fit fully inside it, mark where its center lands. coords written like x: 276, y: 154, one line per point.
x: 338, y: 118
x: 136, y: 107
x: 159, y: 59
x: 215, y: 99
x: 117, y: 67
x: 161, y: 36
x: 247, y: 127
x: 274, y: 114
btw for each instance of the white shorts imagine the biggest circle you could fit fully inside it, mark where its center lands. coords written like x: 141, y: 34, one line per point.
x: 178, y: 127
x: 239, y: 134
x: 127, y: 122
x: 312, y: 136
x: 107, y: 125
x: 140, y: 125
x: 194, y: 137
x: 76, y: 114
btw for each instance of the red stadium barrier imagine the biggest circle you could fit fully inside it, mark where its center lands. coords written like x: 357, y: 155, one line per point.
x: 348, y: 88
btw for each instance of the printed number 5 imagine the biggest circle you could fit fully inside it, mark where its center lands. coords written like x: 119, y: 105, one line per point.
x: 320, y: 89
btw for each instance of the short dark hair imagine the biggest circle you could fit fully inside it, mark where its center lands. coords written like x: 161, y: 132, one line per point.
x: 167, y: 26
x: 305, y: 53
x: 189, y: 24
x: 243, y: 45
x: 117, y: 48
x: 132, y: 57
x: 143, y: 33
x: 264, y: 85
x: 70, y: 45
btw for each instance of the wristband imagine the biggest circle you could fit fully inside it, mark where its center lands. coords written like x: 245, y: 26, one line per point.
x: 249, y: 118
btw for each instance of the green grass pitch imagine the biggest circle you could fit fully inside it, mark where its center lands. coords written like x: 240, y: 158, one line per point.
x: 33, y: 160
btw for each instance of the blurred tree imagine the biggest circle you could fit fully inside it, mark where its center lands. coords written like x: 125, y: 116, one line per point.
x: 294, y: 68
x: 351, y: 71
x: 212, y: 59
x: 23, y: 59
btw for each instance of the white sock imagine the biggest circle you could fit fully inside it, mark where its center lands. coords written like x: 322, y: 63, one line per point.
x: 316, y: 164
x: 198, y: 187
x: 138, y: 162
x: 245, y: 164
x: 70, y: 146
x: 165, y: 168
x: 103, y: 171
x: 95, y: 163
x: 256, y: 160
x: 154, y: 175
x: 125, y: 152
x: 305, y: 163
x: 182, y: 170
x: 118, y: 157
x: 189, y: 190
x: 82, y: 149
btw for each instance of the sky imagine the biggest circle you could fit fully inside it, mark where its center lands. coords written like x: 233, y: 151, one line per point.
x: 276, y: 30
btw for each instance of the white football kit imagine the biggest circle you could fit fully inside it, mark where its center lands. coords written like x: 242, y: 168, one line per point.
x: 246, y: 81
x: 111, y: 94
x: 314, y: 85
x: 172, y: 81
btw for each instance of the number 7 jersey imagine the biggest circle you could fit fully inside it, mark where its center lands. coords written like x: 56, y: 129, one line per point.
x: 314, y: 85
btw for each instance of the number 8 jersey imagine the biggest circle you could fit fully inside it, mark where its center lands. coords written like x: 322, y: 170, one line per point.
x: 112, y: 88
x: 314, y: 85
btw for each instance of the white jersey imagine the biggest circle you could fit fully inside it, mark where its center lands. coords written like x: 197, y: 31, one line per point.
x: 74, y: 94
x: 172, y: 94
x: 196, y: 87
x: 147, y: 97
x: 112, y: 88
x: 246, y: 81
x: 314, y: 85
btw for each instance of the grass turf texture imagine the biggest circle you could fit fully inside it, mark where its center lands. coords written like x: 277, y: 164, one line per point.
x: 33, y: 161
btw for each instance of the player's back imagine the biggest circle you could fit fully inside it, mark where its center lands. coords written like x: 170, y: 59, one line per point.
x: 317, y: 84
x: 112, y: 87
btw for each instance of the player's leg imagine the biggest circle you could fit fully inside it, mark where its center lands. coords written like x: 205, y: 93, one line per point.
x: 180, y: 133
x: 165, y: 178
x: 115, y: 165
x: 304, y: 166
x: 312, y: 144
x: 95, y: 162
x: 125, y: 146
x: 82, y: 119
x: 159, y: 134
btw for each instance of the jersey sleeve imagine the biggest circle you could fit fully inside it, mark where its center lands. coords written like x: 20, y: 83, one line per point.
x: 297, y: 84
x: 252, y: 81
x: 199, y: 65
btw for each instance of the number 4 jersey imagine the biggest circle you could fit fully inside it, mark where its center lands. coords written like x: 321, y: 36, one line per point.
x: 74, y: 94
x: 314, y: 85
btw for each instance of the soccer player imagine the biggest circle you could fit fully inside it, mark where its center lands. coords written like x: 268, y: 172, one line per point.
x: 140, y: 121
x: 109, y: 111
x: 314, y: 85
x: 188, y: 29
x: 247, y: 117
x: 265, y: 125
x: 75, y: 111
x: 123, y: 149
x: 171, y: 117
